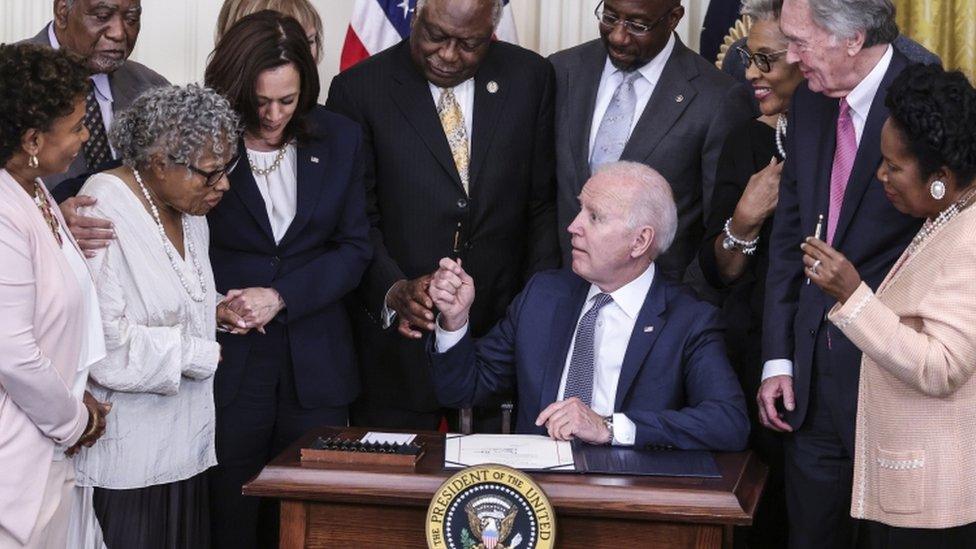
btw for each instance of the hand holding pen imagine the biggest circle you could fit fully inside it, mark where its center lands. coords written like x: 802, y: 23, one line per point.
x: 816, y: 234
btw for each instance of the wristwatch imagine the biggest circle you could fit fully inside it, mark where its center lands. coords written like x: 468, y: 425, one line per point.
x: 608, y: 423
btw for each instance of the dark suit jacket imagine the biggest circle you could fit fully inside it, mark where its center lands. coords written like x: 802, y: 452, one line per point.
x: 870, y: 232
x: 416, y: 202
x: 319, y: 260
x: 127, y: 83
x: 681, y: 139
x: 675, y: 382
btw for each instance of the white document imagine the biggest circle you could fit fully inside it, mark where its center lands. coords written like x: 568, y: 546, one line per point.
x: 387, y: 438
x: 525, y: 452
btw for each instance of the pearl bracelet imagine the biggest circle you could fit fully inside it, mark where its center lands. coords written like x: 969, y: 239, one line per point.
x: 732, y: 242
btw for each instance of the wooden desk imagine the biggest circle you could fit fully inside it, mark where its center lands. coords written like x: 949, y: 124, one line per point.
x: 323, y: 506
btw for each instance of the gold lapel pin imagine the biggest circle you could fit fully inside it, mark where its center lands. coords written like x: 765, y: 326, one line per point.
x: 315, y: 160
x: 492, y: 87
x: 648, y: 329
x: 679, y: 98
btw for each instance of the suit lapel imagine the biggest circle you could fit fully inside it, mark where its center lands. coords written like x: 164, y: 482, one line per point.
x: 649, y: 324
x: 582, y: 87
x: 868, y: 156
x: 411, y: 94
x: 565, y: 316
x: 671, y: 97
x: 312, y: 159
x: 243, y: 185
x: 488, y: 108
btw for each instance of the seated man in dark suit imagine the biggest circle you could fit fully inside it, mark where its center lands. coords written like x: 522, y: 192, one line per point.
x: 646, y: 366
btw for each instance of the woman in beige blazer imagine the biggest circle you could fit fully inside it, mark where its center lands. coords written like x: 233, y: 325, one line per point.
x: 47, y: 300
x: 915, y: 449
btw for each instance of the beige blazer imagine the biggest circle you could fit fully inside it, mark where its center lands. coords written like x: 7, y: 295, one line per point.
x: 915, y: 449
x: 41, y: 330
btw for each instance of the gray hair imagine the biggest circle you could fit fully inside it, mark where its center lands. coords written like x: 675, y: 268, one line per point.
x: 846, y: 18
x: 762, y: 10
x: 178, y: 123
x: 496, y: 9
x: 652, y: 204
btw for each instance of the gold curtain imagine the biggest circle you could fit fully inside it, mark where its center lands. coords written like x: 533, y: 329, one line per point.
x: 946, y: 27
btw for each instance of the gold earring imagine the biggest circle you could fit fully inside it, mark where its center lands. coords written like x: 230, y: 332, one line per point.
x: 32, y: 162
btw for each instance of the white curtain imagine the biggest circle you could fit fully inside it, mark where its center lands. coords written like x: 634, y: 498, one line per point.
x: 177, y: 35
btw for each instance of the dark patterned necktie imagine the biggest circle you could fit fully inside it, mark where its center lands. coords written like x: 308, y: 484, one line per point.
x: 579, y: 380
x: 97, y: 151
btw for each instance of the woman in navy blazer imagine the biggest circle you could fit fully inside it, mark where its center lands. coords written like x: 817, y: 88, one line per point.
x: 288, y: 242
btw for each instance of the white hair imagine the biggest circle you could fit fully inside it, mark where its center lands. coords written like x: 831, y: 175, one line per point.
x: 496, y: 9
x: 845, y: 18
x: 652, y: 204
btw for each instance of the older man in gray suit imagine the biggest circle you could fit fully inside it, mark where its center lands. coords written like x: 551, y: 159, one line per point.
x: 102, y: 33
x: 639, y: 94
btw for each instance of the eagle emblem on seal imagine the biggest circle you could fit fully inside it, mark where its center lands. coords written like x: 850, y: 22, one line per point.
x: 491, y: 519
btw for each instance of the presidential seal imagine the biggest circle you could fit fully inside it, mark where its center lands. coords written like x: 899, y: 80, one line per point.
x: 490, y: 507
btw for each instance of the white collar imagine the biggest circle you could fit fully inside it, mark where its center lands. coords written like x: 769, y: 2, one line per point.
x: 629, y: 297
x: 861, y: 97
x: 651, y: 71
x: 101, y: 81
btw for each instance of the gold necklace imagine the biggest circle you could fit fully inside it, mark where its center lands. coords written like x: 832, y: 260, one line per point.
x: 40, y: 199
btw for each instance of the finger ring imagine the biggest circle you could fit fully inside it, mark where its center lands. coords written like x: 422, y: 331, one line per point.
x: 813, y: 268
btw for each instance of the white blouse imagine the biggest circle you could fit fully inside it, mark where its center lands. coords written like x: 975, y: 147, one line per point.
x: 279, y: 189
x: 161, y: 350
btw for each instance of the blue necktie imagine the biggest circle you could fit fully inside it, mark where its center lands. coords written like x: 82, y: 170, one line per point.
x: 579, y: 380
x: 614, y: 131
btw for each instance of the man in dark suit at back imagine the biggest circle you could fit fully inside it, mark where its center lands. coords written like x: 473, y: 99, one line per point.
x: 610, y: 353
x: 811, y: 371
x: 639, y: 94
x: 458, y: 146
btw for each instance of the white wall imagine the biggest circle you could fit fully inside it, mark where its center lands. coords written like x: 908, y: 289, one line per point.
x: 177, y: 35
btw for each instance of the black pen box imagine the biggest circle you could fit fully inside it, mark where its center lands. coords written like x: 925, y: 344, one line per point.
x: 345, y: 451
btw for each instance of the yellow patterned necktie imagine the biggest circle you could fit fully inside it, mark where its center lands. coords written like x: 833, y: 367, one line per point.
x: 452, y: 119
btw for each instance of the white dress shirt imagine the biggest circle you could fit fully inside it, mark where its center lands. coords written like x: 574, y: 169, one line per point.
x: 614, y: 326
x: 643, y: 88
x: 161, y: 349
x: 279, y: 189
x: 103, y: 90
x: 859, y: 100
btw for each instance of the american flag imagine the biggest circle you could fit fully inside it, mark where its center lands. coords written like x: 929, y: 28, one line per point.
x: 379, y: 24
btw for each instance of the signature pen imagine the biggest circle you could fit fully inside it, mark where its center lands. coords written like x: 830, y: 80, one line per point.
x: 816, y: 233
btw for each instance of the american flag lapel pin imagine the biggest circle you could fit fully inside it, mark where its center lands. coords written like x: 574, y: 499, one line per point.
x: 315, y: 160
x: 648, y: 329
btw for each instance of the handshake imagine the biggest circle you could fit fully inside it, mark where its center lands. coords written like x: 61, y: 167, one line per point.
x: 449, y: 289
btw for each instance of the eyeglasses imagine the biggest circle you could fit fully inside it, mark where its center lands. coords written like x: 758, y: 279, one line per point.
x: 632, y: 28
x: 213, y: 176
x: 763, y: 61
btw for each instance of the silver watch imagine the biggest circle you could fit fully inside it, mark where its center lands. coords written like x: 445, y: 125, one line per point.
x: 608, y: 423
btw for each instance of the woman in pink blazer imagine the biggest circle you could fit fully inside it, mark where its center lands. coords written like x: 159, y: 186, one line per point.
x: 47, y: 300
x: 915, y: 448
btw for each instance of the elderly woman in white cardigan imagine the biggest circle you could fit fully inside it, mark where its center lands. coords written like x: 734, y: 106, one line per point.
x: 915, y: 454
x: 159, y: 307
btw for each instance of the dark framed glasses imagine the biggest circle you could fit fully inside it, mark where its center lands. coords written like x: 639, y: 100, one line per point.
x: 632, y: 28
x: 763, y: 61
x: 212, y: 177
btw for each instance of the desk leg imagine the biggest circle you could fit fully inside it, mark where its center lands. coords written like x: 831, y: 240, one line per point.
x: 294, y: 519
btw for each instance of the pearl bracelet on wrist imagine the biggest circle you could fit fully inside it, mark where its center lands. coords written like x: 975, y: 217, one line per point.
x: 732, y: 242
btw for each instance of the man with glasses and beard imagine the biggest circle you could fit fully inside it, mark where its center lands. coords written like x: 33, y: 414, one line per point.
x: 639, y: 94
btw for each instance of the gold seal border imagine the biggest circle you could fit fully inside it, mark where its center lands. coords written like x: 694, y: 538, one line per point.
x: 490, y: 473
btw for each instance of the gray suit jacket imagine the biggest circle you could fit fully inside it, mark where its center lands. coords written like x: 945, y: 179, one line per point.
x: 679, y: 134
x: 127, y: 83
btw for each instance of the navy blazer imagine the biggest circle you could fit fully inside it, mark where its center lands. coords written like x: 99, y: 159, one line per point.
x: 320, y: 259
x: 870, y: 232
x: 675, y: 383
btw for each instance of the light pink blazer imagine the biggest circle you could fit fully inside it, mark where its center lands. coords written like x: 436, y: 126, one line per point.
x: 41, y: 330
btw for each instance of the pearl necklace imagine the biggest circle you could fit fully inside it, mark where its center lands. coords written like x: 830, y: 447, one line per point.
x: 933, y: 226
x: 170, y: 252
x: 274, y: 165
x: 781, y: 135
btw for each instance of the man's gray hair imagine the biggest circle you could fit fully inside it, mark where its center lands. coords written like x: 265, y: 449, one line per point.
x: 845, y: 18
x: 180, y: 123
x: 496, y: 9
x: 652, y: 203
x: 762, y: 10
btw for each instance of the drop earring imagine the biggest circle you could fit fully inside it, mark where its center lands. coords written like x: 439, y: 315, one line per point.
x: 32, y: 162
x: 937, y: 189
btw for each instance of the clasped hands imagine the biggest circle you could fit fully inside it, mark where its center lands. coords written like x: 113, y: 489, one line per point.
x: 96, y: 423
x: 451, y: 290
x: 248, y: 309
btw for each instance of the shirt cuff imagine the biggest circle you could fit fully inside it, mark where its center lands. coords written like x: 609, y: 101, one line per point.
x: 624, y: 430
x: 387, y: 315
x: 445, y: 340
x: 200, y: 358
x: 777, y: 367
